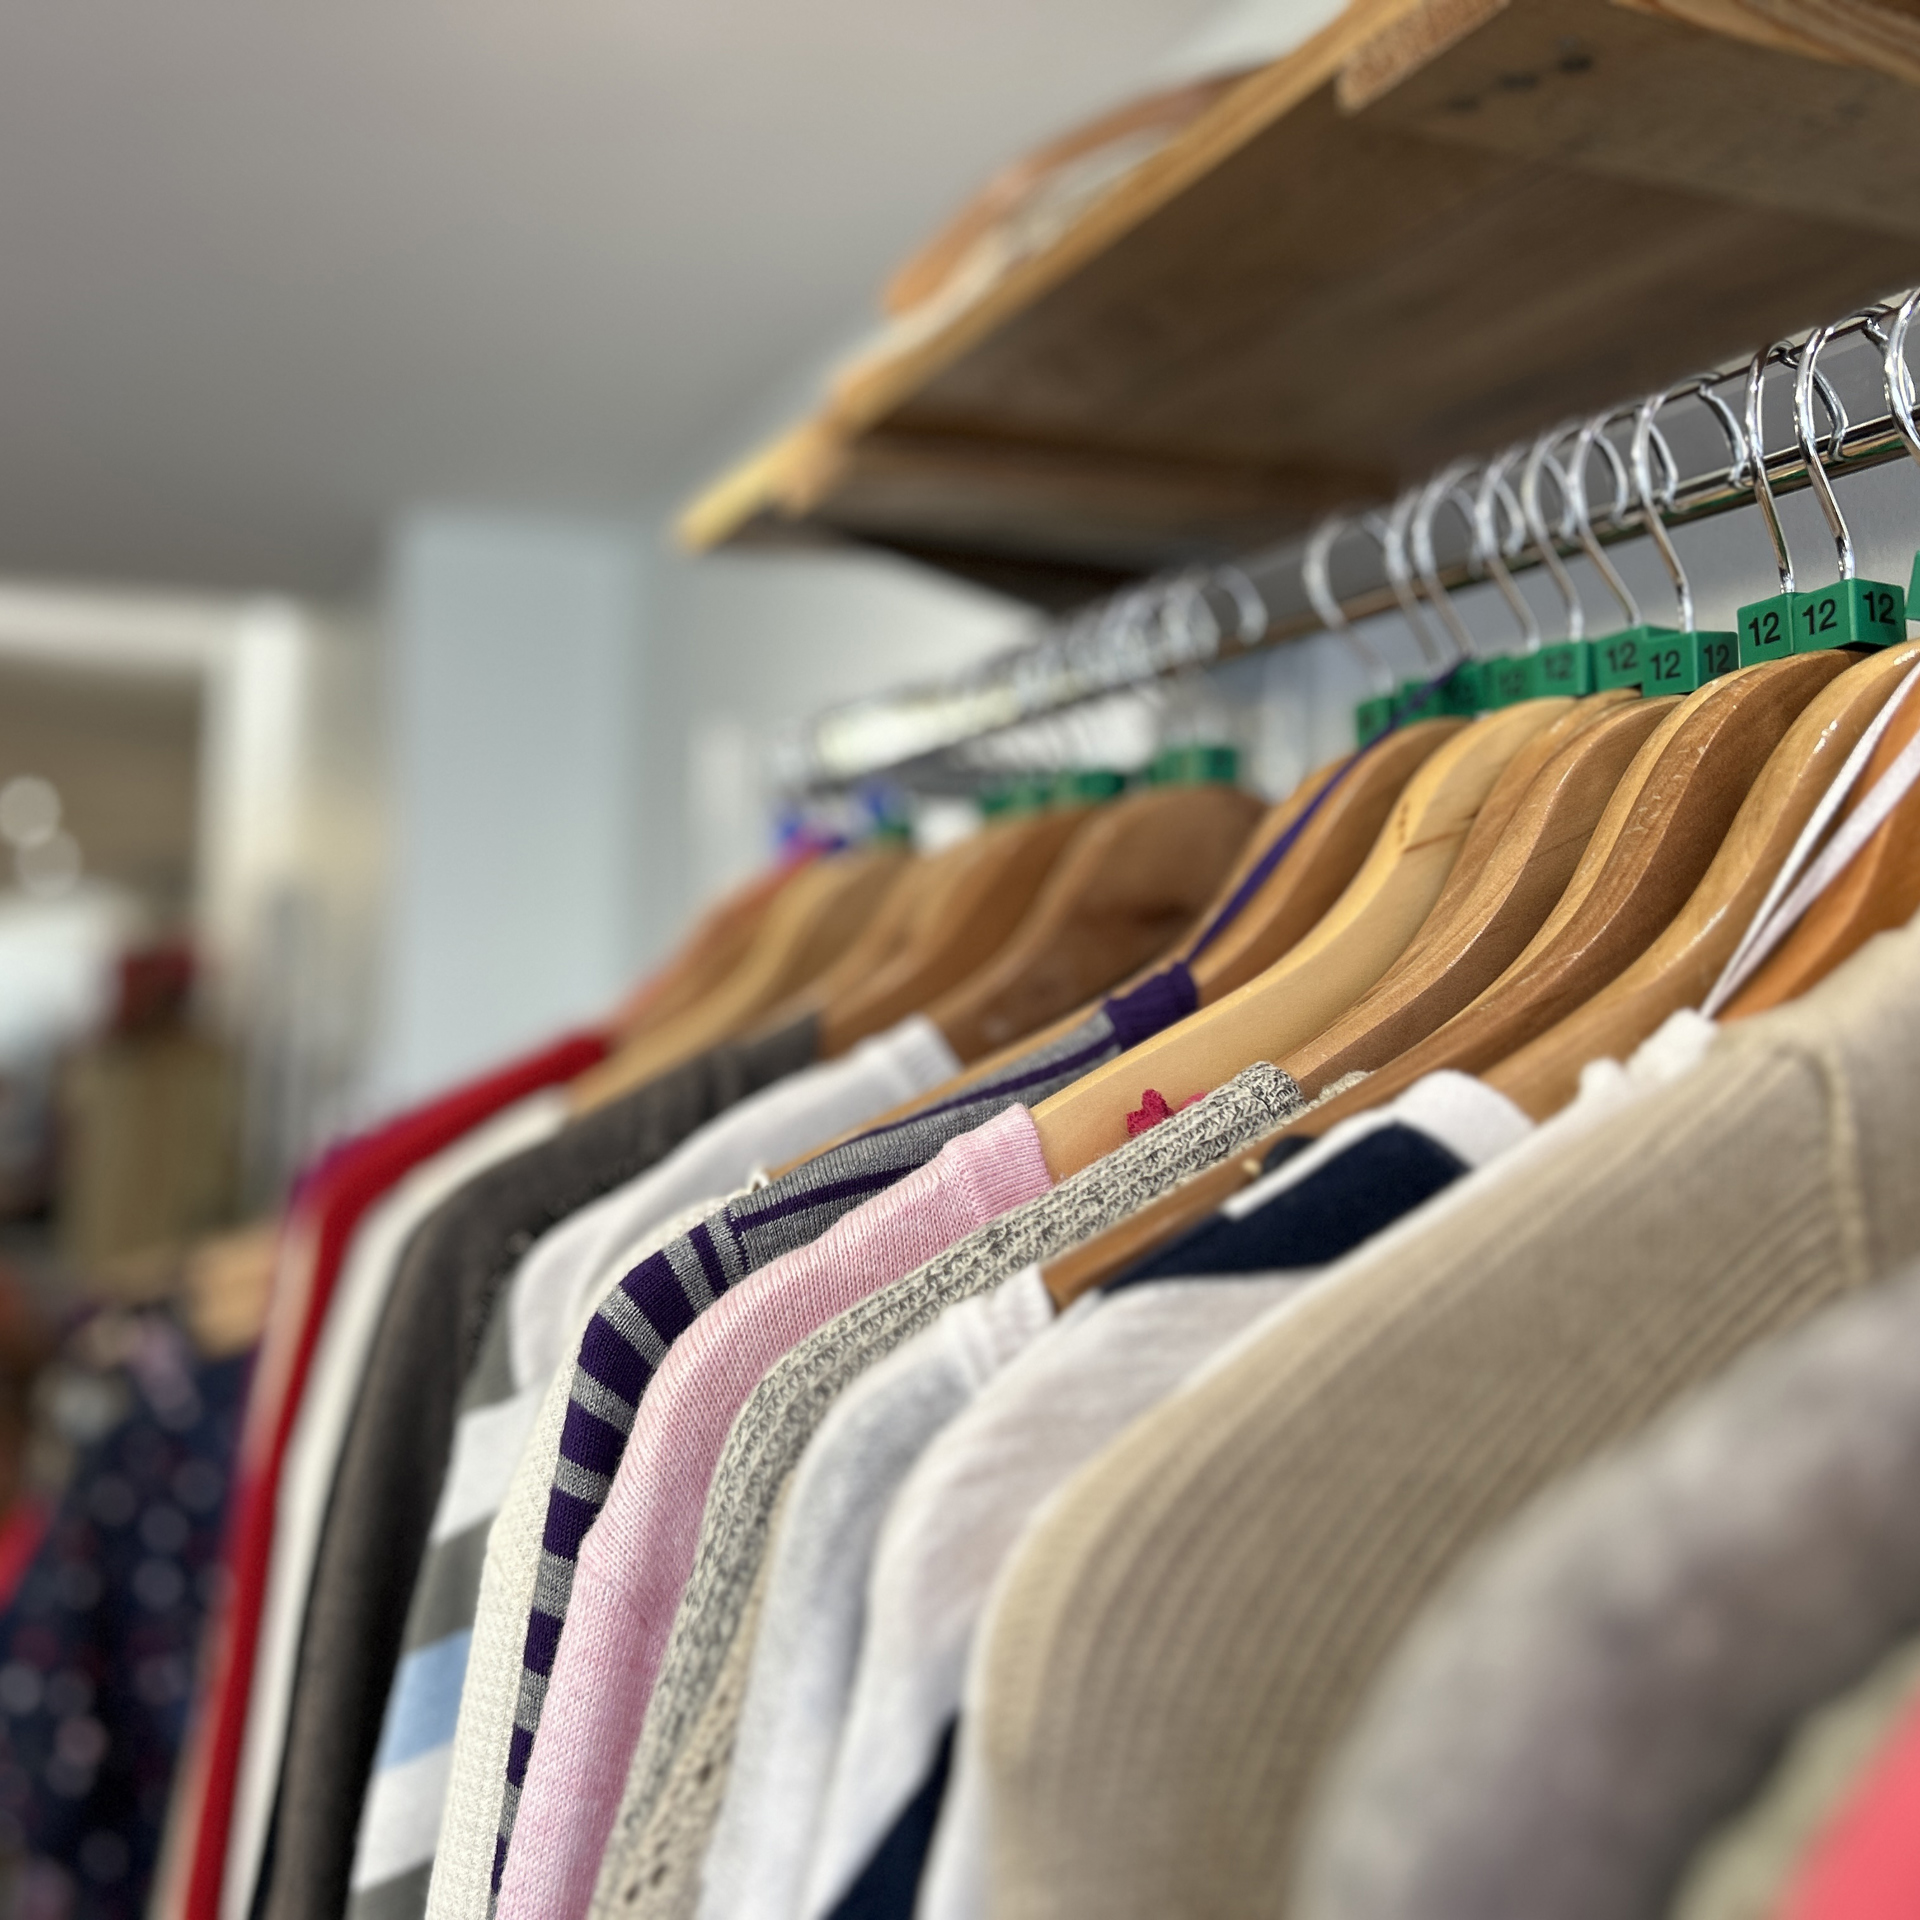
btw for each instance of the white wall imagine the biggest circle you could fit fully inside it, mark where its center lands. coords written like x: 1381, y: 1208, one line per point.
x: 515, y: 648
x: 748, y: 645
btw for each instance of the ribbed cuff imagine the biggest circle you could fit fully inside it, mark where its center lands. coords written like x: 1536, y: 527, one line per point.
x: 999, y: 1165
x: 918, y: 1053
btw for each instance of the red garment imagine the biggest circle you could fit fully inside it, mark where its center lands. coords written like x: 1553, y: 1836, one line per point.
x: 328, y: 1204
x: 20, y: 1535
x: 1866, y: 1863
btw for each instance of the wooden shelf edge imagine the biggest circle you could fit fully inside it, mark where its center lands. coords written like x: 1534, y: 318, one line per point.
x: 783, y: 475
x: 764, y: 483
x: 1365, y: 53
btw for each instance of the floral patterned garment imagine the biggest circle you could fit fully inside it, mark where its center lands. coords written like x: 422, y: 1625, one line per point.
x: 98, y: 1642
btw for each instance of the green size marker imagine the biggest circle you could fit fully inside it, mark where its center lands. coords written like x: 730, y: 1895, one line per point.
x: 1766, y: 628
x: 1465, y: 691
x: 1505, y: 680
x: 1619, y: 659
x: 1850, y: 613
x: 1661, y: 660
x: 1372, y: 718
x: 1565, y: 667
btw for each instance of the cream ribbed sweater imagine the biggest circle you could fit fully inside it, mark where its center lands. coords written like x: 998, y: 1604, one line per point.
x: 1184, y: 1639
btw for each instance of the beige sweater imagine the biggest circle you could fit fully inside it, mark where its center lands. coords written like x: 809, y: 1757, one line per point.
x: 1189, y: 1631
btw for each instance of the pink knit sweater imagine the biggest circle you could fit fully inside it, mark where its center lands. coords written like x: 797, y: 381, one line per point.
x: 638, y: 1554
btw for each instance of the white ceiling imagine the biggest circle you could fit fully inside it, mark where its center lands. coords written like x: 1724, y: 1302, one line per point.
x: 270, y: 271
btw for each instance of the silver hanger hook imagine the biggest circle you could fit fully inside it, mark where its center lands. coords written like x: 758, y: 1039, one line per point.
x: 1865, y: 321
x: 1315, y: 577
x: 1547, y: 538
x: 1252, y: 615
x: 1445, y: 488
x: 1187, y: 621
x: 1496, y: 548
x: 1129, y: 642
x: 1594, y: 435
x: 1391, y: 531
x: 1757, y: 453
x: 1899, y: 378
x: 1646, y: 436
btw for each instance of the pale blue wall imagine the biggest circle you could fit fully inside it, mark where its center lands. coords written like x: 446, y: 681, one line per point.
x: 516, y: 684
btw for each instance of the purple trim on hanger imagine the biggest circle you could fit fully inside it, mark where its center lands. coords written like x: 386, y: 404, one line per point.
x: 1153, y: 1006
x: 1263, y: 868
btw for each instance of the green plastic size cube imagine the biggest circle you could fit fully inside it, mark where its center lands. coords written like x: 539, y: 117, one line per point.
x: 1087, y: 786
x: 1565, y: 667
x: 1719, y: 653
x: 1620, y: 659
x: 1851, y: 613
x: 1372, y: 718
x: 1680, y: 662
x: 1196, y: 764
x: 1505, y: 681
x: 1465, y: 691
x: 1766, y: 628
x: 1657, y: 660
x: 1420, y: 700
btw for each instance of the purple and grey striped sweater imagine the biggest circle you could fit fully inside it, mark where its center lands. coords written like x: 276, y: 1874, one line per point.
x: 628, y: 1337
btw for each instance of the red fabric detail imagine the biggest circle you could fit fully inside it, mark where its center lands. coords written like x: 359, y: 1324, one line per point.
x: 20, y: 1535
x: 1153, y: 1109
x: 328, y: 1205
x: 1866, y: 1863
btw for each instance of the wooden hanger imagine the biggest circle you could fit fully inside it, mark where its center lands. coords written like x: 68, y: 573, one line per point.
x: 1131, y: 881
x: 1491, y: 822
x: 718, y: 943
x: 965, y: 917
x: 1682, y: 965
x: 886, y: 932
x: 1320, y: 865
x: 1096, y: 1261
x: 1309, y: 877
x: 1691, y: 777
x: 1470, y: 940
x: 1878, y: 889
x: 811, y: 923
x: 1354, y: 943
x: 1683, y: 788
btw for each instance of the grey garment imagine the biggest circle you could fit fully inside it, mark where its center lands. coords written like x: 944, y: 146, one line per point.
x: 666, y: 1862
x: 394, y: 1456
x: 400, y: 1898
x: 629, y: 1336
x: 1616, y: 1670
x: 786, y: 1408
x: 1745, y: 1869
x: 445, y: 1595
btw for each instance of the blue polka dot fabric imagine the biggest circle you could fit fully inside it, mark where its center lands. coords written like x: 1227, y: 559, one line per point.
x: 97, y: 1647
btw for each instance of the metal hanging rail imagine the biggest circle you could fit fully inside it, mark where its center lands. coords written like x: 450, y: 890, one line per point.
x: 1207, y: 615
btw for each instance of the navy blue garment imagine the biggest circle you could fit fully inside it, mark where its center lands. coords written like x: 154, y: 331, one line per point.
x: 97, y: 1647
x: 1383, y: 1176
x: 890, y: 1881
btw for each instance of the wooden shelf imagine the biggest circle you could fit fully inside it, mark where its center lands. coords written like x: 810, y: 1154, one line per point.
x: 1438, y: 226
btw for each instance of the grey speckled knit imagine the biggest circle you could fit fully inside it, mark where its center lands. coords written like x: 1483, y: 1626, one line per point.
x: 1617, y: 1670
x: 787, y: 1407
x: 672, y: 1849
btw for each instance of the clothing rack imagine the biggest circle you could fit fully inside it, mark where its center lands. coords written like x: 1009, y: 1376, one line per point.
x: 1205, y: 616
